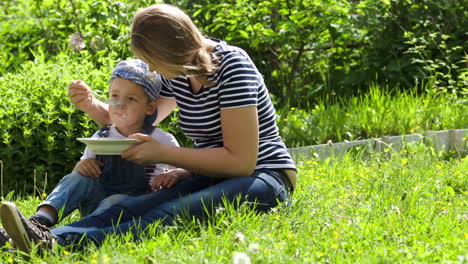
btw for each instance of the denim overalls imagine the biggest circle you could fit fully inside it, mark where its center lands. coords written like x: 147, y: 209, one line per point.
x: 120, y: 176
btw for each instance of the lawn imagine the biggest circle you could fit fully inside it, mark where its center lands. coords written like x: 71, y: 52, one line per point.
x: 406, y: 207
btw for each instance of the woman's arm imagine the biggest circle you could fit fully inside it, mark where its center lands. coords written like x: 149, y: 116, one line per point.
x: 165, y: 107
x: 237, y: 157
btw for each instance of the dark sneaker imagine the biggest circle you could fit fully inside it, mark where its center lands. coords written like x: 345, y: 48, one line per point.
x: 24, y: 232
x: 42, y: 220
x: 4, y: 238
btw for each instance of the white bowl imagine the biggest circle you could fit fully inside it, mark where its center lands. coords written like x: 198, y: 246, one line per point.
x: 108, y: 146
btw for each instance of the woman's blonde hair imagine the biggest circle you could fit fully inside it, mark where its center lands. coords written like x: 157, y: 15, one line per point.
x: 163, y: 33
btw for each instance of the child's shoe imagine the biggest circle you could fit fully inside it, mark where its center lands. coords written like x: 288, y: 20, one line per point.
x: 24, y: 232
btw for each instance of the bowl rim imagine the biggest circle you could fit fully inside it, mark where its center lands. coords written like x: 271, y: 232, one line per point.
x: 116, y: 140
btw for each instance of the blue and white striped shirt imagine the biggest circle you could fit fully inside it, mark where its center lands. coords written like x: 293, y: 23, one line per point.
x: 238, y: 84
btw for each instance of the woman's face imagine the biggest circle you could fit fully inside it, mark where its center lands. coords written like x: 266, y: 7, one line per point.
x: 128, y: 105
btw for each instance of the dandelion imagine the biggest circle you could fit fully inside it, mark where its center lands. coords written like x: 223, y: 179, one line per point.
x: 293, y: 108
x: 76, y: 42
x: 277, y: 217
x: 347, y: 114
x: 66, y: 252
x: 94, y: 261
x: 334, y: 246
x: 411, y: 130
x: 44, y: 195
x: 254, y: 248
x: 106, y: 258
x: 286, y: 120
x: 239, y: 237
x: 241, y: 258
x: 404, y: 161
x: 336, y: 235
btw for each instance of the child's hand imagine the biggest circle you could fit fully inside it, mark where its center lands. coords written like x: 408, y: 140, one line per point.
x: 89, y: 167
x: 168, y: 179
x: 80, y: 95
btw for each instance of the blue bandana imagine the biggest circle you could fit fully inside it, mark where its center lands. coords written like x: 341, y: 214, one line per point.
x: 138, y: 72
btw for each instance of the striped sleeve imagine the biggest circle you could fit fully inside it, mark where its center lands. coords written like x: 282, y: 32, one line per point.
x: 166, y: 90
x: 240, y: 87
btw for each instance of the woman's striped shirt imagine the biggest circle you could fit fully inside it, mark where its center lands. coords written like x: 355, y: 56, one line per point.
x: 238, y: 84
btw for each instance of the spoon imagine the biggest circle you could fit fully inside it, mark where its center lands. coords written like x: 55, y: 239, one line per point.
x: 102, y: 98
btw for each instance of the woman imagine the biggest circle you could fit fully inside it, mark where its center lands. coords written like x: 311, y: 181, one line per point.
x: 224, y: 108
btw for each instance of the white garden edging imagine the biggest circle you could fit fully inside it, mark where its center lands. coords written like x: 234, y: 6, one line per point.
x: 445, y: 140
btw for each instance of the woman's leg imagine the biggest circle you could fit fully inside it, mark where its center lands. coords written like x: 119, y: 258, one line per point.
x: 265, y: 189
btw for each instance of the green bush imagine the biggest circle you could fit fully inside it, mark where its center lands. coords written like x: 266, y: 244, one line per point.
x: 39, y: 126
x: 307, y: 49
x: 324, y: 48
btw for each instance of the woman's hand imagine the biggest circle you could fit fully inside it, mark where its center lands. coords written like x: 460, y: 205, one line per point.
x: 89, y: 167
x: 168, y: 179
x: 80, y: 95
x: 145, y: 153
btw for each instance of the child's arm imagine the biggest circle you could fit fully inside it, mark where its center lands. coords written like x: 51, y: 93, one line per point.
x: 82, y: 97
x: 169, y: 178
x: 89, y: 167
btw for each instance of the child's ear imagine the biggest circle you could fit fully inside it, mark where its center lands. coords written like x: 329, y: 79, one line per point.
x: 150, y: 108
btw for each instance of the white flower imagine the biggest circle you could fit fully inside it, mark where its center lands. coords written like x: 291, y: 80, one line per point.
x: 239, y: 237
x: 254, y: 248
x: 241, y: 258
x: 76, y: 42
x: 220, y: 210
x: 97, y: 43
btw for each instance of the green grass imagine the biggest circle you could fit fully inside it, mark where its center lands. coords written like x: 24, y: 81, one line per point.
x: 407, y: 207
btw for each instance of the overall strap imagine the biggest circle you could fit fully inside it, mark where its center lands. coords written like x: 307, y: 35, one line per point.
x: 104, y: 132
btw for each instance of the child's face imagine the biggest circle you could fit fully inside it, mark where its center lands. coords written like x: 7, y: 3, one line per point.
x: 129, y: 106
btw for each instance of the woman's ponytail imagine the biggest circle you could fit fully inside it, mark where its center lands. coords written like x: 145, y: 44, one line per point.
x: 203, y: 63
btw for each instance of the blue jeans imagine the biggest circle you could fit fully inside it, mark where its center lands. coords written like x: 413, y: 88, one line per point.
x: 197, y: 196
x: 75, y: 191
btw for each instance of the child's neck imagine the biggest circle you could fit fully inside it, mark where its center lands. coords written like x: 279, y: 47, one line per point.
x: 127, y: 131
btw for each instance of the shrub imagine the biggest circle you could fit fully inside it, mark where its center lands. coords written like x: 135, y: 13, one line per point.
x: 39, y: 124
x: 306, y: 49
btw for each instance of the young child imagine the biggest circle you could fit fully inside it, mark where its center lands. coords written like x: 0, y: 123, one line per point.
x: 99, y: 181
